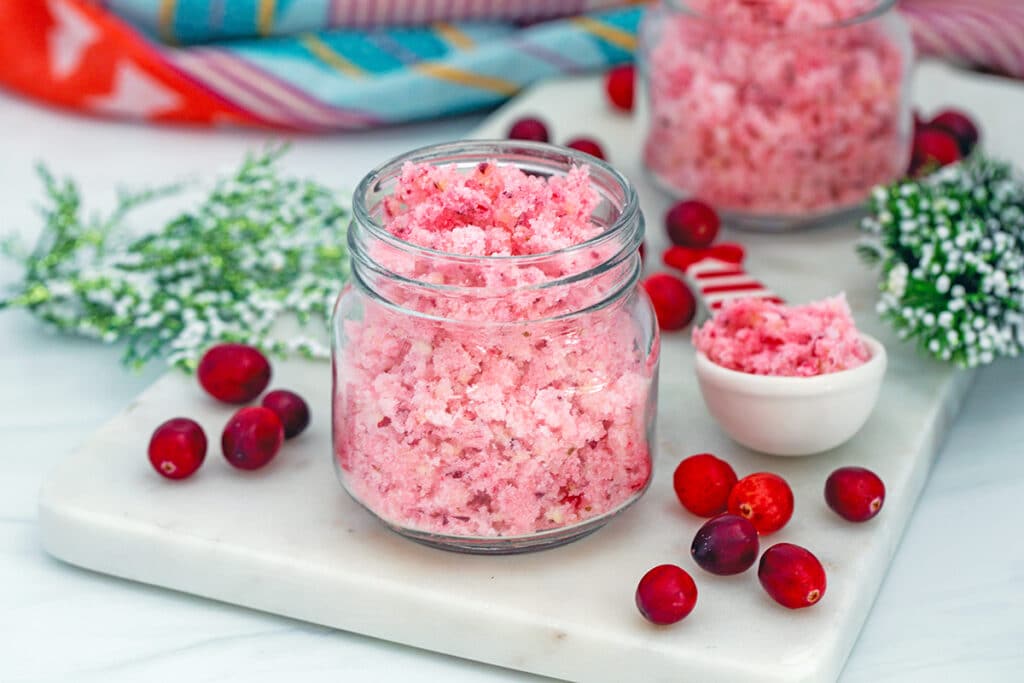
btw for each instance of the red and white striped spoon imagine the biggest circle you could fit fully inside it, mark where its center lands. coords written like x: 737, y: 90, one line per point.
x: 717, y: 274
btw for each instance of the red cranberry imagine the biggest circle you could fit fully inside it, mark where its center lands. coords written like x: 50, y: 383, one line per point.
x: 960, y: 126
x: 666, y: 594
x: 529, y: 129
x: 587, y: 146
x: 692, y: 224
x: 643, y: 251
x: 619, y: 84
x: 177, y: 448
x: 234, y: 373
x: 252, y: 438
x: 763, y: 498
x: 290, y: 409
x: 856, y: 494
x: 703, y: 483
x: 725, y: 545
x: 792, y: 575
x: 673, y: 301
x: 933, y: 148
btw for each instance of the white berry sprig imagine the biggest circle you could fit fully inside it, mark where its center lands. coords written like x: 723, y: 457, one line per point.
x: 951, y: 251
x: 260, y: 248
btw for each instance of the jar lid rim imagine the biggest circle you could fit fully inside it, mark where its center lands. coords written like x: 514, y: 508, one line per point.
x: 879, y: 8
x: 495, y: 148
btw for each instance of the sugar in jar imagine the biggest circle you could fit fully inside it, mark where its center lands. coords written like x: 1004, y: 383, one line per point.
x: 779, y: 113
x: 494, y: 360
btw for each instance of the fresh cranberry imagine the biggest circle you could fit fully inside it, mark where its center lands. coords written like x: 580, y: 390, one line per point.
x: 290, y: 409
x: 703, y: 483
x: 666, y: 594
x: 643, y: 251
x: 725, y: 545
x: 619, y: 83
x: 252, y: 437
x: 177, y: 448
x: 692, y: 224
x: 587, y: 146
x: 763, y: 498
x: 960, y: 126
x: 529, y: 129
x: 673, y: 301
x: 234, y: 373
x: 792, y: 575
x: 856, y: 494
x: 933, y: 148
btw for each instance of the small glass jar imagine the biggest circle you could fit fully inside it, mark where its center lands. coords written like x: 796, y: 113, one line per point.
x: 778, y: 116
x: 495, y: 404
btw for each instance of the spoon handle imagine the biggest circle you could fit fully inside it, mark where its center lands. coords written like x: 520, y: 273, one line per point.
x: 717, y: 274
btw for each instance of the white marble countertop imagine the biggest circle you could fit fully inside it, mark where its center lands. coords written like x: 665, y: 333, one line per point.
x: 951, y: 608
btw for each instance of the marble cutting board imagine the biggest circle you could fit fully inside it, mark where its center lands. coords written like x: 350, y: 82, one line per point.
x: 287, y: 540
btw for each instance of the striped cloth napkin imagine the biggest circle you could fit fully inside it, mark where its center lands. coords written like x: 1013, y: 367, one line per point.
x: 319, y: 65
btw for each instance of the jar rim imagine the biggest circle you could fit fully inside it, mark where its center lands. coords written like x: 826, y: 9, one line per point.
x: 498, y: 150
x: 879, y: 8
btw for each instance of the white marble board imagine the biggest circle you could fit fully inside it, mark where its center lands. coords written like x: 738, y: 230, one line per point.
x: 288, y: 540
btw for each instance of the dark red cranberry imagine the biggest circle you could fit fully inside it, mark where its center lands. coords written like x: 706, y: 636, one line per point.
x: 587, y: 146
x: 725, y: 545
x: 960, y: 126
x: 234, y: 373
x: 692, y: 224
x: 290, y: 409
x: 620, y: 84
x: 531, y: 129
x: 666, y: 594
x: 855, y: 493
x: 252, y: 438
x: 177, y: 448
x: 933, y: 149
x: 792, y: 576
x: 674, y: 304
x: 702, y: 483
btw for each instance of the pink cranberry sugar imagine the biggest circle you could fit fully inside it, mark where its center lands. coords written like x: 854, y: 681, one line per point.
x: 448, y: 423
x: 758, y: 108
x: 766, y: 338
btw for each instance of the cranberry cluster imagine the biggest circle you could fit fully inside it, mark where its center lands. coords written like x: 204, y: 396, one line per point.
x: 741, y: 512
x: 947, y: 138
x: 232, y: 373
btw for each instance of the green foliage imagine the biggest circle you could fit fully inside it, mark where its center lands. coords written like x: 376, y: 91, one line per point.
x: 951, y: 252
x: 259, y: 247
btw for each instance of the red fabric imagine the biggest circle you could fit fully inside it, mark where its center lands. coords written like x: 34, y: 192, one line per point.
x: 94, y: 79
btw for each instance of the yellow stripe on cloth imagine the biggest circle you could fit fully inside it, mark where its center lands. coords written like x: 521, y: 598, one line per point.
x: 265, y: 17
x: 468, y: 78
x: 454, y: 36
x: 615, y: 36
x: 165, y: 25
x: 326, y: 54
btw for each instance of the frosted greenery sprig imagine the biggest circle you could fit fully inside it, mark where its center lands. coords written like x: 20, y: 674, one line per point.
x: 951, y: 251
x: 262, y: 247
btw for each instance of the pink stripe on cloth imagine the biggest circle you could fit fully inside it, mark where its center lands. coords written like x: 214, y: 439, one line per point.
x: 373, y: 13
x: 984, y: 33
x: 277, y: 98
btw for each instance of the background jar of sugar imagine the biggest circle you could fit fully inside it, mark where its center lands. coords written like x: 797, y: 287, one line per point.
x: 779, y: 113
x: 495, y: 403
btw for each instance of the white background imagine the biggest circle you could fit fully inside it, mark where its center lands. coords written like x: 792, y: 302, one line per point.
x: 951, y: 608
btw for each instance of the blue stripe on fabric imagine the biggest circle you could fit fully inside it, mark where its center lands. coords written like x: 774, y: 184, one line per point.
x: 393, y: 92
x: 295, y: 16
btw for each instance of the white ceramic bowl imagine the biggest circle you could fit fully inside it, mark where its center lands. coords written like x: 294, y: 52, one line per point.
x: 793, y: 415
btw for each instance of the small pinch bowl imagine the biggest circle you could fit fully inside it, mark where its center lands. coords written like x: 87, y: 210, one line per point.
x: 793, y: 416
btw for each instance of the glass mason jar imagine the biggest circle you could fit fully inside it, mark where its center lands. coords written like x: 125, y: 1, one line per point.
x: 778, y: 121
x: 495, y: 404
